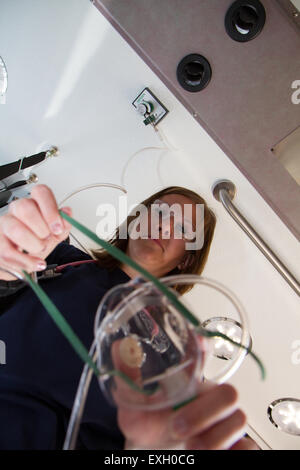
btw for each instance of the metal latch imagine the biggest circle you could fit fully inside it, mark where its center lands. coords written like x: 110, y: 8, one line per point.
x: 49, y: 272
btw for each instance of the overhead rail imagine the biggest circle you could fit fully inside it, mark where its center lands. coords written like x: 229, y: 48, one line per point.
x: 224, y: 191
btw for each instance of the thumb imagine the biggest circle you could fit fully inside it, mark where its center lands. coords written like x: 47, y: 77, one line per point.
x: 128, y: 357
x: 66, y: 225
x: 138, y: 425
x: 67, y: 210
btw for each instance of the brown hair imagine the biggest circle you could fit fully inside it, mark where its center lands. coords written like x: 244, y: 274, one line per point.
x: 197, y: 258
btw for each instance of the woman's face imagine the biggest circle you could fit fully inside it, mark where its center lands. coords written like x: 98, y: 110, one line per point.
x: 161, y: 253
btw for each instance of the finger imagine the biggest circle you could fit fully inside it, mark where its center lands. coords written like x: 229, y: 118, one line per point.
x: 222, y: 435
x: 144, y: 428
x: 12, y: 259
x: 66, y: 229
x: 46, y: 201
x: 20, y: 234
x: 213, y: 405
x: 28, y: 212
x: 53, y: 240
x: 246, y: 443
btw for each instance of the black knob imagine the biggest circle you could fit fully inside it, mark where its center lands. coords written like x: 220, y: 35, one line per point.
x: 248, y: 15
x: 194, y: 72
x: 245, y: 19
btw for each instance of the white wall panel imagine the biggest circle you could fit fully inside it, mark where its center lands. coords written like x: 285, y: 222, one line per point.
x: 71, y: 82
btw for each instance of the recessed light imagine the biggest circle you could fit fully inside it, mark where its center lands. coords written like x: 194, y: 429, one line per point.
x: 284, y: 414
x: 221, y: 348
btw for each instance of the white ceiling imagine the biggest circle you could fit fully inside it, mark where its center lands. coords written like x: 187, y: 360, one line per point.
x: 72, y: 80
x: 296, y: 3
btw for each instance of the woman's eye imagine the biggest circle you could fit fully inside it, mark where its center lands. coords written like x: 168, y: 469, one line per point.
x: 186, y: 232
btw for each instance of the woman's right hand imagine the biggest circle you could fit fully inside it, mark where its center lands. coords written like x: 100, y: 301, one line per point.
x: 30, y: 231
x: 212, y: 421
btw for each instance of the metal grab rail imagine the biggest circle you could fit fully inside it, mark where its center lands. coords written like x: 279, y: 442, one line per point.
x: 224, y: 191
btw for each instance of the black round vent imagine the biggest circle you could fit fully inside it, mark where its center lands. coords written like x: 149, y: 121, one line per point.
x: 194, y: 72
x: 245, y: 19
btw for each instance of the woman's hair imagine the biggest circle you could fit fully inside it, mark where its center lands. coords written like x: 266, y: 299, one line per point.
x: 197, y: 258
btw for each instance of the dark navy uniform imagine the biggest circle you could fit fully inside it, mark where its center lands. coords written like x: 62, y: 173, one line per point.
x: 39, y: 380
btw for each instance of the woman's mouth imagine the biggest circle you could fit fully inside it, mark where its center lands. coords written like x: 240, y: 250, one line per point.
x: 157, y: 242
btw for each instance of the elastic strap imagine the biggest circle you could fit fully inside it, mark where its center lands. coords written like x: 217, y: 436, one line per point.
x: 74, y: 263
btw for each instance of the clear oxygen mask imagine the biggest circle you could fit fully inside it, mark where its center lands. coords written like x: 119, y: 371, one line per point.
x: 140, y: 334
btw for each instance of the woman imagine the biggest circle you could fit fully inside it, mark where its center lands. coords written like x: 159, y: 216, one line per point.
x: 41, y: 374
